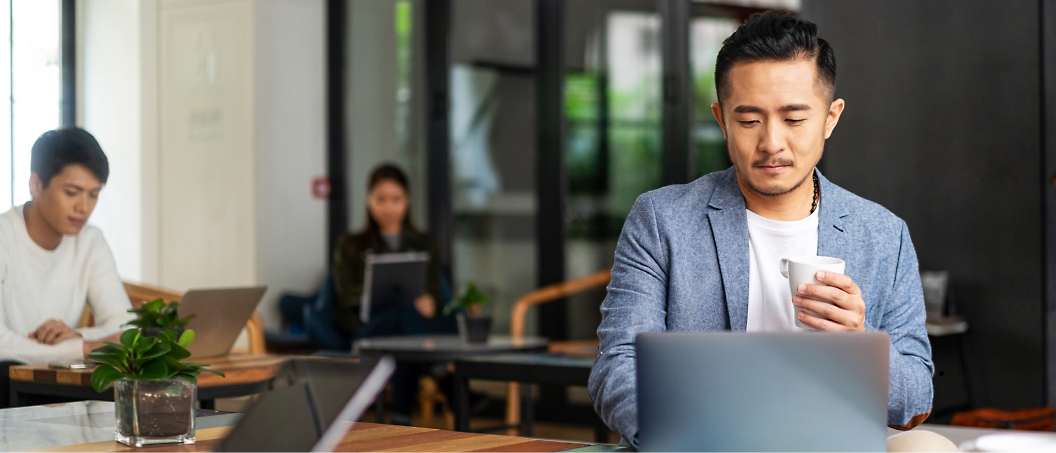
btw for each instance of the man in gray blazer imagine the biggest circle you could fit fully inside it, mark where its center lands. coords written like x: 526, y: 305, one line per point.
x: 703, y: 256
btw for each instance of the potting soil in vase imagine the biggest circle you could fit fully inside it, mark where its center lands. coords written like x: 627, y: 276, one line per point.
x: 153, y: 412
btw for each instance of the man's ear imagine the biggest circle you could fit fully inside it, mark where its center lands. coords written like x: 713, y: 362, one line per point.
x: 835, y: 110
x: 36, y: 186
x: 716, y: 111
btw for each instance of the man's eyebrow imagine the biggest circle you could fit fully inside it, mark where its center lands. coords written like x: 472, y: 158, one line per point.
x: 747, y: 109
x: 754, y: 109
x: 74, y: 186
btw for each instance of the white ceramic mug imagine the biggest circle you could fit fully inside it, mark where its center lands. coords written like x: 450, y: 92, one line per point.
x: 803, y: 269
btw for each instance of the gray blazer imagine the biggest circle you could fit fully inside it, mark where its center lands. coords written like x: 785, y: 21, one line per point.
x: 682, y: 264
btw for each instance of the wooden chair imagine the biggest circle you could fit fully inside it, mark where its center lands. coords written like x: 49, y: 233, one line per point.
x: 140, y: 294
x: 429, y: 395
x: 520, y: 312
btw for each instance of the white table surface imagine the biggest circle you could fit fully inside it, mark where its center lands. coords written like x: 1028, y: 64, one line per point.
x: 958, y: 434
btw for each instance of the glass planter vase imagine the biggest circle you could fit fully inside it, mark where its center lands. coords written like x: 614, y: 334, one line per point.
x: 155, y: 412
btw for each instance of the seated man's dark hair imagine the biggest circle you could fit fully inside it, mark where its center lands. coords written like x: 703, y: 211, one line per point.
x: 56, y: 149
x: 775, y: 36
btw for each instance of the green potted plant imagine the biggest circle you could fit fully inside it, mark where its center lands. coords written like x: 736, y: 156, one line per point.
x: 154, y: 390
x: 157, y: 316
x: 473, y: 325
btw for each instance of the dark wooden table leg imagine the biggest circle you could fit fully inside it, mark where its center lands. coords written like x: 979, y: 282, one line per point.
x: 461, y: 403
x: 601, y: 432
x: 16, y: 398
x: 379, y: 408
x: 965, y: 366
x: 526, y: 409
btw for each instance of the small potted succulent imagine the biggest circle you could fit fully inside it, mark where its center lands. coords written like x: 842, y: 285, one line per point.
x: 154, y: 390
x: 473, y: 325
x: 157, y: 316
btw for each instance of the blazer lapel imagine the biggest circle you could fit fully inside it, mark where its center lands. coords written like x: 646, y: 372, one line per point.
x: 832, y: 219
x: 729, y: 228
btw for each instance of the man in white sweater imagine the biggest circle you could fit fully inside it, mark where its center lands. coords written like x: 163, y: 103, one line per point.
x: 52, y: 263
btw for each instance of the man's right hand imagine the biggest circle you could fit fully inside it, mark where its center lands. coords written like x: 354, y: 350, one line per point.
x: 52, y: 332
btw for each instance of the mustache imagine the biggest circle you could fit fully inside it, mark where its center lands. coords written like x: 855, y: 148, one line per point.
x: 767, y: 162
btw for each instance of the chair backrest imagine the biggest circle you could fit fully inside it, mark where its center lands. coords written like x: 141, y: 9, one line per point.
x: 551, y: 293
x: 541, y: 296
x: 140, y: 294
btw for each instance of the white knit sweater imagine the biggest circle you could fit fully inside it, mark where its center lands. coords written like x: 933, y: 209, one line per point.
x: 37, y: 284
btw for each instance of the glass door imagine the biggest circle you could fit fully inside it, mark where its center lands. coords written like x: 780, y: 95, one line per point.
x: 612, y: 148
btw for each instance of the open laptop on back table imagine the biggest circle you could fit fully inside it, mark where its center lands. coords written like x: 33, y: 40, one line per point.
x: 789, y: 391
x: 220, y: 315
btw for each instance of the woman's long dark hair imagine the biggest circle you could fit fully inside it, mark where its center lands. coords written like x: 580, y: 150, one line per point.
x: 387, y: 172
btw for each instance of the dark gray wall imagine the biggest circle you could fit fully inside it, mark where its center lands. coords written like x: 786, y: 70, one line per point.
x: 943, y: 127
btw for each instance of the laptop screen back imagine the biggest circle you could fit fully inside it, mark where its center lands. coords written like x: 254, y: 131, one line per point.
x: 726, y: 391
x: 219, y: 316
x: 307, y: 402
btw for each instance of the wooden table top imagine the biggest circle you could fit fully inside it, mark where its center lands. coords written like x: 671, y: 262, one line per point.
x: 239, y: 369
x: 368, y: 437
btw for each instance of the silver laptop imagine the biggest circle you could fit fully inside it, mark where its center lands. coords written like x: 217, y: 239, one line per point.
x: 310, y: 404
x: 220, y: 315
x: 726, y: 391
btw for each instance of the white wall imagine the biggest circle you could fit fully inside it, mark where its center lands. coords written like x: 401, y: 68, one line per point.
x: 109, y: 88
x: 290, y: 118
x: 212, y: 113
x: 206, y: 149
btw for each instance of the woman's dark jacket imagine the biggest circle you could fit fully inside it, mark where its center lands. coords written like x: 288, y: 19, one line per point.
x: 350, y: 265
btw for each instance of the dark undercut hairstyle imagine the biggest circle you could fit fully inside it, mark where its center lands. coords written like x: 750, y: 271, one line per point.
x: 59, y: 148
x: 775, y: 36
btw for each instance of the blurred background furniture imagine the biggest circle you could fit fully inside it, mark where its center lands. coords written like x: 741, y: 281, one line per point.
x: 246, y: 374
x: 524, y: 369
x: 948, y: 334
x: 544, y: 295
x: 141, y: 294
x: 439, y: 349
x: 1033, y: 419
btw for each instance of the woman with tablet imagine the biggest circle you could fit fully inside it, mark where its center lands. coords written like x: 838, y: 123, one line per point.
x: 388, y: 230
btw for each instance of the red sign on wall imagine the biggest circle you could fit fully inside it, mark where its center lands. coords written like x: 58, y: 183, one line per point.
x: 321, y: 187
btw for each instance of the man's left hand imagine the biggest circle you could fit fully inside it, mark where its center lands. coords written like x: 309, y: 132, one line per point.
x: 53, y: 331
x: 845, y: 313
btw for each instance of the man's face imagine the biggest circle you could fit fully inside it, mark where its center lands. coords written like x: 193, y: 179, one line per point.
x: 776, y: 118
x: 68, y: 200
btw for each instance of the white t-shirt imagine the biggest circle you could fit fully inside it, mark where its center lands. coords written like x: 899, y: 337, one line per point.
x: 37, y: 284
x: 769, y: 297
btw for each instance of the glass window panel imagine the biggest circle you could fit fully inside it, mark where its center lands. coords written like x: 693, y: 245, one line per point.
x: 706, y: 35
x: 493, y: 152
x: 384, y: 111
x: 635, y: 108
x: 37, y: 81
x: 6, y: 181
x: 612, y: 150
